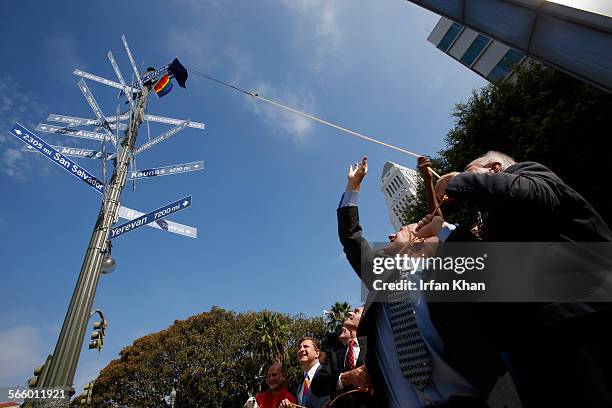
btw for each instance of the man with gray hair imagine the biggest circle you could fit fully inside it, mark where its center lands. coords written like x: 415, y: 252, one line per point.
x: 560, y: 352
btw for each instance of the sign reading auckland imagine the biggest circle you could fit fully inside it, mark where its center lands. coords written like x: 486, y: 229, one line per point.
x: 64, y: 162
x: 152, y: 216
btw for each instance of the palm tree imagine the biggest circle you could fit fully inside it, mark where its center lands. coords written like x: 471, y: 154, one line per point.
x: 272, y: 336
x: 336, y: 316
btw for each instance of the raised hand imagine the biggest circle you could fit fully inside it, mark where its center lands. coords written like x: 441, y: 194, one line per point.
x: 429, y: 226
x: 358, y: 377
x: 356, y: 173
x: 424, y: 165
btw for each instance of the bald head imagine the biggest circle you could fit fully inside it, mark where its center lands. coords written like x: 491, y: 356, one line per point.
x: 276, y: 377
x: 491, y: 162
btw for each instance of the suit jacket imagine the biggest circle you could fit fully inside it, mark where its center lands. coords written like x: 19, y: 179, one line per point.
x: 312, y: 400
x: 479, y: 363
x: 327, y: 378
x: 529, y: 203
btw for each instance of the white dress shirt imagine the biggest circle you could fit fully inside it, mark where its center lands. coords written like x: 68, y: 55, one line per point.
x: 356, y: 349
x: 311, y: 374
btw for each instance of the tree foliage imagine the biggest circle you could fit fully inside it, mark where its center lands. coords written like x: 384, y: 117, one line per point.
x: 272, y: 335
x: 210, y: 359
x: 544, y: 116
x: 337, y: 314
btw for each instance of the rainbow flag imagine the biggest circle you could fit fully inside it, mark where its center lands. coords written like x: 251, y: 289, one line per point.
x: 163, y: 86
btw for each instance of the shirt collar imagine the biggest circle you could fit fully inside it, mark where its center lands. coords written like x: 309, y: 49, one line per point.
x: 312, y: 370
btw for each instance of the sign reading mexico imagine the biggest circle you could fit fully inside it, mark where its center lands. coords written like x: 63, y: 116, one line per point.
x: 64, y: 162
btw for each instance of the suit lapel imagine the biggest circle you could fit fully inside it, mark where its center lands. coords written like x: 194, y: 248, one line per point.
x: 363, y: 346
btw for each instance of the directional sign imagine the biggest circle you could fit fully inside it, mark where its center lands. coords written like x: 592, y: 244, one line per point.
x: 167, y: 170
x: 74, y: 121
x: 171, y: 121
x: 84, y: 134
x: 112, y: 119
x: 161, y: 137
x: 71, y: 152
x: 151, y: 75
x: 165, y: 224
x: 99, y: 79
x: 128, y: 94
x: 129, y: 53
x: 96, y: 109
x: 152, y: 216
x: 56, y: 157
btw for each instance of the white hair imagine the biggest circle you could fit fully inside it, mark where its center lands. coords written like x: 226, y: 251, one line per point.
x: 495, y: 157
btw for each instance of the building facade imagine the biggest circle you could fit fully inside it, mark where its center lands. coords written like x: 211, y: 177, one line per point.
x: 488, y: 58
x: 399, y: 185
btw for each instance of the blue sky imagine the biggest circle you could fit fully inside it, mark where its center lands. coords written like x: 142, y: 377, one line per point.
x: 265, y: 203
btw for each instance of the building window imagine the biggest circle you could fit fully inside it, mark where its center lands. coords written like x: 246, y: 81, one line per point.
x: 450, y: 36
x: 504, y: 67
x: 474, y: 50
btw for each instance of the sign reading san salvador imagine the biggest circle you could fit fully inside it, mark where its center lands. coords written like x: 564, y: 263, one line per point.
x: 152, y: 216
x: 56, y: 157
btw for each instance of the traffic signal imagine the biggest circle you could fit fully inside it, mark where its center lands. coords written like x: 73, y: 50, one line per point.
x: 97, y: 336
x: 36, y: 380
x: 87, y: 395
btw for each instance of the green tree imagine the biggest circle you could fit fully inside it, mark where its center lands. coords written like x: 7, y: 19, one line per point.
x: 334, y: 318
x: 544, y: 116
x: 211, y: 359
x: 272, y: 334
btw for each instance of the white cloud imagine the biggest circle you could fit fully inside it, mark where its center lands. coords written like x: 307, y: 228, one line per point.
x: 192, y: 41
x: 21, y: 351
x: 290, y: 123
x: 17, y: 105
x: 324, y: 40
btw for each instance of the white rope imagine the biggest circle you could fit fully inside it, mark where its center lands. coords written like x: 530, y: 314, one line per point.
x: 306, y: 115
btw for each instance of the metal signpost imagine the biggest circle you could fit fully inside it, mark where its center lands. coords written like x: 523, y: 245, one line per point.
x: 59, y: 369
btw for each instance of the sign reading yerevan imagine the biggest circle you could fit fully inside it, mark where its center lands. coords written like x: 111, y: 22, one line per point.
x: 48, y: 151
x: 165, y: 224
x: 167, y: 170
x: 72, y: 152
x: 152, y: 216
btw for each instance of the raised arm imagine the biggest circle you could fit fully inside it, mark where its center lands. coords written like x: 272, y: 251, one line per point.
x: 424, y: 166
x: 357, y: 249
x: 499, y: 190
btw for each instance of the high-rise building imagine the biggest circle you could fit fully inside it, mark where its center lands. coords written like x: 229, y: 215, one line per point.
x: 488, y: 58
x: 573, y: 36
x: 398, y: 184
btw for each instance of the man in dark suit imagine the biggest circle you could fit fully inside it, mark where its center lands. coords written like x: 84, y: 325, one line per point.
x: 394, y: 382
x: 308, y: 357
x: 342, y: 373
x: 559, y: 351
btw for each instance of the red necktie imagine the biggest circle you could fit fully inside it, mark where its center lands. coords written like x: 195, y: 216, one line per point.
x: 349, y: 362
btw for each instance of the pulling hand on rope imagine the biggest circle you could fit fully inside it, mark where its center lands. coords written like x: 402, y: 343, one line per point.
x: 257, y: 96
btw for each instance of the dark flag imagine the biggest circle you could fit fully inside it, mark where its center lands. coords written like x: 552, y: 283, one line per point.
x: 179, y: 72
